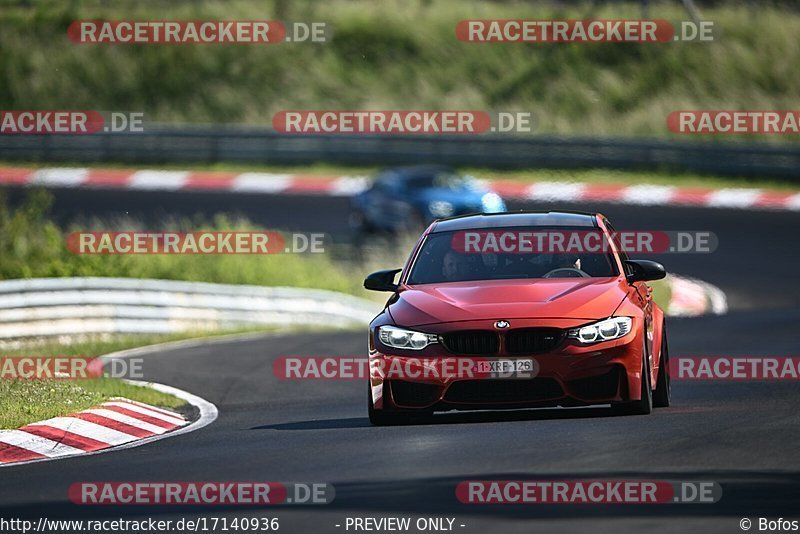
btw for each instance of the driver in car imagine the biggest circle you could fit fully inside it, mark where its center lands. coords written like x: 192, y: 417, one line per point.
x: 458, y: 267
x: 566, y: 261
x: 541, y: 265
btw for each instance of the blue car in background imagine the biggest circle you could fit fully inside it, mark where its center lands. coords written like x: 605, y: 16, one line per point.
x: 407, y: 199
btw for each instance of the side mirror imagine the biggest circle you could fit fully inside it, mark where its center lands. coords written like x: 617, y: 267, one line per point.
x: 382, y: 280
x: 644, y: 270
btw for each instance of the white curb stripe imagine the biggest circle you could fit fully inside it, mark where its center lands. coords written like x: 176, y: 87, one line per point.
x: 144, y: 411
x: 261, y: 182
x: 733, y: 198
x: 158, y: 180
x: 688, y: 298
x: 692, y: 297
x: 718, y: 299
x: 120, y: 440
x: 146, y: 406
x: 349, y: 185
x: 793, y: 202
x: 648, y: 194
x: 122, y: 418
x: 556, y: 191
x: 37, y: 444
x: 87, y: 429
x: 59, y: 177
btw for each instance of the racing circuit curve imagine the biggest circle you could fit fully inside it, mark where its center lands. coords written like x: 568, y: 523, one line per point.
x: 742, y: 435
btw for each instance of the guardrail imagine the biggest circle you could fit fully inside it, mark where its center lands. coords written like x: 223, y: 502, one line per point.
x: 51, y: 307
x: 44, y: 307
x: 214, y: 144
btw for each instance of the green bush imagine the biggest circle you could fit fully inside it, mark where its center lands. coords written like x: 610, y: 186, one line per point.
x: 33, y: 246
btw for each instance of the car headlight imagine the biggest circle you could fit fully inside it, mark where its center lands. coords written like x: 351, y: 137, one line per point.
x: 400, y: 338
x: 441, y: 208
x: 604, y: 330
x: 492, y: 203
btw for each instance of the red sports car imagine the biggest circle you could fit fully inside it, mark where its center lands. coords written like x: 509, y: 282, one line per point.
x: 517, y: 310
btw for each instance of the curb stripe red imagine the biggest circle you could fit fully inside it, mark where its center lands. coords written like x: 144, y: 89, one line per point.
x: 140, y: 416
x: 116, y: 425
x: 117, y: 422
x: 88, y: 429
x: 12, y: 453
x: 173, y: 419
x: 108, y: 178
x: 168, y: 413
x: 67, y: 438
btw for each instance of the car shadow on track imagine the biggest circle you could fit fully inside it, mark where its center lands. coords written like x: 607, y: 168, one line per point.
x: 452, y: 418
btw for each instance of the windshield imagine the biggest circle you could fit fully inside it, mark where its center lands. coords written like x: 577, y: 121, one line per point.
x: 443, y: 257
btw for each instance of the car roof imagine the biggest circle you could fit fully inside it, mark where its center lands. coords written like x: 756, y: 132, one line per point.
x: 519, y: 218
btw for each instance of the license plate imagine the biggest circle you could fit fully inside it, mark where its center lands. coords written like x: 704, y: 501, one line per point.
x: 504, y: 367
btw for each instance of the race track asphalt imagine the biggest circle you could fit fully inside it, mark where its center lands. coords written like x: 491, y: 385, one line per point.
x: 743, y: 435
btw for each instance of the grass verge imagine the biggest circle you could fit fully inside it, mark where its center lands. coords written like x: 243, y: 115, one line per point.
x: 28, y: 401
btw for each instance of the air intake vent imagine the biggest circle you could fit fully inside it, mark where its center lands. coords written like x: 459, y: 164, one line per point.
x: 472, y: 342
x: 533, y: 340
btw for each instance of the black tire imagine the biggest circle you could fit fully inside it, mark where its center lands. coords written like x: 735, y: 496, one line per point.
x: 643, y: 406
x: 383, y: 417
x: 663, y: 393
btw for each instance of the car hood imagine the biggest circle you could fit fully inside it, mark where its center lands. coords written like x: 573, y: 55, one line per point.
x: 574, y: 298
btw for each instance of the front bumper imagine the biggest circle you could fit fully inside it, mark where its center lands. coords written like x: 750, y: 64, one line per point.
x: 570, y: 375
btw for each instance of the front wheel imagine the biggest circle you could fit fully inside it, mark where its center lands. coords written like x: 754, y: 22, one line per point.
x: 382, y: 417
x: 663, y: 393
x: 643, y: 406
